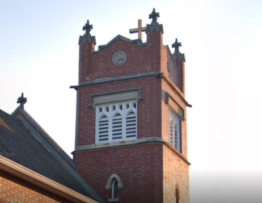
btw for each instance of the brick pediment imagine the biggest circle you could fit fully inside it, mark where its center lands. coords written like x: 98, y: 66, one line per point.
x: 118, y: 37
x: 121, y: 56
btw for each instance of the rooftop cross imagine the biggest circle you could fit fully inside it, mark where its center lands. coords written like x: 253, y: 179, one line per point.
x: 176, y: 45
x: 139, y: 30
x: 154, y: 16
x: 22, y: 100
x: 87, y: 27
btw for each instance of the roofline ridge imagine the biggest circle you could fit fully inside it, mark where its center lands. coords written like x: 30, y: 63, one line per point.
x: 46, y: 136
x: 67, y: 162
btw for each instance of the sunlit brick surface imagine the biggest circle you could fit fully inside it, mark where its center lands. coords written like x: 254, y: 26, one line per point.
x: 13, y: 189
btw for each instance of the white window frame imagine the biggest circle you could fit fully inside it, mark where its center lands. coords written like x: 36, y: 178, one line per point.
x: 113, y: 189
x: 123, y: 108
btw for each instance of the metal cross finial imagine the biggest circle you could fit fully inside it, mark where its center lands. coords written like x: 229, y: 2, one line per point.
x: 22, y: 100
x: 176, y: 45
x: 154, y: 16
x: 87, y: 27
x: 139, y: 30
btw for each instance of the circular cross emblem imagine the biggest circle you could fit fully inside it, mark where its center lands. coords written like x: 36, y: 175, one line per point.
x: 119, y: 58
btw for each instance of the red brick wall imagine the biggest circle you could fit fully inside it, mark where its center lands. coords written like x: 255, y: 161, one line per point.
x: 175, y: 169
x: 138, y: 166
x: 148, y: 110
x: 13, y: 189
x: 165, y: 118
x: 176, y: 173
x: 140, y: 59
x: 168, y: 67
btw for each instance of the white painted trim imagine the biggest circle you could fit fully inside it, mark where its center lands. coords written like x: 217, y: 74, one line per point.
x: 42, y: 181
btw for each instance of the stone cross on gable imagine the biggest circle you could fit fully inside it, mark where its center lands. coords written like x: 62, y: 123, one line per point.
x: 87, y: 27
x: 176, y: 45
x: 139, y: 30
x: 22, y: 100
x: 154, y: 16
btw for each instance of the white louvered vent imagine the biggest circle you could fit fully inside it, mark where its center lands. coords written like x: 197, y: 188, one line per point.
x: 176, y: 137
x: 116, y: 121
x: 171, y: 131
x: 174, y: 130
x: 103, y: 130
x: 117, y: 127
x: 131, y: 125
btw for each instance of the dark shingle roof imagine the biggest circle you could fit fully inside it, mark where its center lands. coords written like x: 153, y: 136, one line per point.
x: 22, y: 147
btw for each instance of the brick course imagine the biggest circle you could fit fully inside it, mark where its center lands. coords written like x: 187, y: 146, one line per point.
x: 176, y: 173
x: 139, y: 168
x: 13, y: 189
x: 146, y: 109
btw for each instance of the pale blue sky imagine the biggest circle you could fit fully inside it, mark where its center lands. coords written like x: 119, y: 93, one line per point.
x: 222, y: 44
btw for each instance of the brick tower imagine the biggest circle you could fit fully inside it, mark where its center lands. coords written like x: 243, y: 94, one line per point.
x: 131, y: 138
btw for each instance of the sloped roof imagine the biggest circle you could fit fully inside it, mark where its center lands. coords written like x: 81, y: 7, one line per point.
x: 20, y: 145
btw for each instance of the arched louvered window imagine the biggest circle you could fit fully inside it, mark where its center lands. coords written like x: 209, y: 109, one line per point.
x: 103, y: 129
x: 131, y: 125
x: 174, y: 130
x: 176, y: 136
x: 117, y: 127
x: 116, y: 121
x: 171, y: 131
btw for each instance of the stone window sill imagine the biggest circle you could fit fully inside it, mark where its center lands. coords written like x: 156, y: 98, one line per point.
x: 113, y: 199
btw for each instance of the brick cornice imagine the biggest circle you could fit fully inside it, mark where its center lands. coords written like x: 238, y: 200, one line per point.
x: 41, y: 181
x: 116, y: 79
x: 130, y: 77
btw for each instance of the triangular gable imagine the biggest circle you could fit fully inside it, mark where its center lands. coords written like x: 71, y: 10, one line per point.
x: 138, y: 41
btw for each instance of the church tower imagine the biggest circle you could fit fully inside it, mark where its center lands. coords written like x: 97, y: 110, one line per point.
x: 131, y: 137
